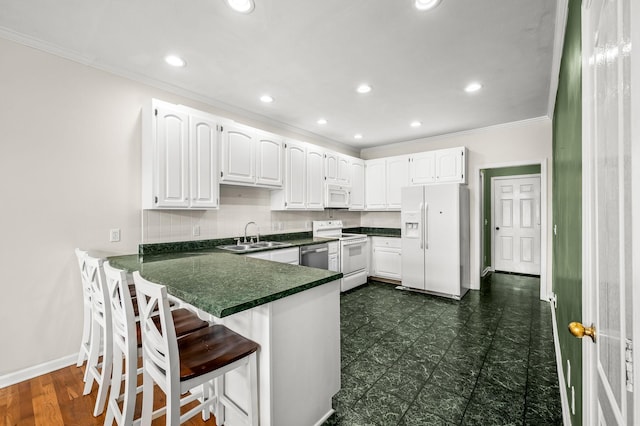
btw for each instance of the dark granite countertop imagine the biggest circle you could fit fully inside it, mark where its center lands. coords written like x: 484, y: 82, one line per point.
x: 210, y: 246
x: 375, y: 232
x: 223, y: 283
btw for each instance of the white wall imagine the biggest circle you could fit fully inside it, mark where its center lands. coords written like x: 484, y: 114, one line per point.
x: 70, y: 171
x: 509, y: 143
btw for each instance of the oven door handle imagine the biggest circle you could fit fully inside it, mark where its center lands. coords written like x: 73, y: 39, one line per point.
x: 351, y: 243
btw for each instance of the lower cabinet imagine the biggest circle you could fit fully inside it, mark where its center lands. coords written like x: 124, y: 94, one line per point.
x: 386, y: 257
x: 287, y: 255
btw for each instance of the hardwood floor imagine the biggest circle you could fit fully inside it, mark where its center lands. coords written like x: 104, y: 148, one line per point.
x: 56, y: 399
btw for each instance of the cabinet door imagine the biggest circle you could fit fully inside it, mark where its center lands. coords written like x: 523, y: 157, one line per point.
x: 269, y: 160
x: 356, y: 198
x: 387, y: 262
x: 422, y: 168
x: 375, y: 185
x: 238, y: 154
x: 449, y: 165
x: 172, y: 150
x: 296, y: 176
x: 344, y: 170
x: 331, y: 167
x: 397, y: 177
x: 203, y: 162
x: 315, y: 178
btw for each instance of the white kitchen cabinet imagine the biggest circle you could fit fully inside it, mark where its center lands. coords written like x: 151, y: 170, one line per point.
x: 296, y: 171
x: 383, y: 179
x: 386, y: 257
x: 451, y: 165
x: 304, y: 179
x: 397, y: 177
x: 238, y: 154
x: 290, y: 255
x: 250, y: 157
x: 179, y: 158
x: 334, y: 256
x: 269, y: 160
x: 375, y: 184
x: 203, y: 162
x: 356, y: 197
x: 315, y: 178
x: 337, y: 168
x: 422, y: 168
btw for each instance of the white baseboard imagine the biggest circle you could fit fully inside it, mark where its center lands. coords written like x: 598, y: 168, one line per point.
x: 487, y: 270
x: 325, y: 417
x: 37, y: 370
x: 564, y: 397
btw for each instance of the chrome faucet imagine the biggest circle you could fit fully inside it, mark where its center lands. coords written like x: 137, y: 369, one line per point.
x: 257, y: 234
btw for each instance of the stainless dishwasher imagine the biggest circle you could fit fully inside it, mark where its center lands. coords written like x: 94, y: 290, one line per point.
x: 316, y: 256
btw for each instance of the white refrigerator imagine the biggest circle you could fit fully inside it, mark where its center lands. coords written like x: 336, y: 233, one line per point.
x: 435, y: 239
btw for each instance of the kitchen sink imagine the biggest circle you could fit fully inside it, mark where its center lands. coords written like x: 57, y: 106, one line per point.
x: 253, y: 246
x: 265, y: 244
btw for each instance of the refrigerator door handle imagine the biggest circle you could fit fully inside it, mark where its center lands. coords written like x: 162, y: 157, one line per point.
x: 421, y: 224
x: 425, y: 224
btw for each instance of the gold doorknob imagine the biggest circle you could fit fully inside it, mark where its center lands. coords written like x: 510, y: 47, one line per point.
x: 579, y: 330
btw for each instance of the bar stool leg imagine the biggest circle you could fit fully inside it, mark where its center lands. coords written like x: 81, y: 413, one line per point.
x: 219, y: 385
x: 86, y: 336
x: 105, y: 378
x: 94, y: 353
x: 147, y: 399
x: 253, y: 389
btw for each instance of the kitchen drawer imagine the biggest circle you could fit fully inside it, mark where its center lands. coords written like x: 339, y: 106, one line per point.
x: 389, y: 242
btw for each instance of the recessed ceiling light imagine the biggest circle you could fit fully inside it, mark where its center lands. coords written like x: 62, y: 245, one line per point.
x: 473, y: 87
x: 426, y: 4
x: 175, y: 61
x: 267, y: 99
x: 357, y: 136
x: 363, y: 88
x: 322, y: 121
x: 242, y: 6
x: 416, y: 123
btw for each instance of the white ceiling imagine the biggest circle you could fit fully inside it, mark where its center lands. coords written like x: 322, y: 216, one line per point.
x: 310, y: 56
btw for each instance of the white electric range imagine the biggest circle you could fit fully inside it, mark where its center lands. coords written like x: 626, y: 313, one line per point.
x: 353, y: 252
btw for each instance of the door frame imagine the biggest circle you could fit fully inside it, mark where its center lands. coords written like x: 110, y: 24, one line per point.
x: 589, y: 376
x: 493, y: 236
x: 545, y: 289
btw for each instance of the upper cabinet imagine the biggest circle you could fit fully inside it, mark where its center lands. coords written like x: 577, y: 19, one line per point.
x: 443, y: 165
x: 250, y: 157
x: 422, y: 168
x: 269, y: 160
x: 397, y: 177
x: 356, y: 198
x: 451, y: 165
x: 179, y: 158
x: 337, y: 168
x: 304, y: 179
x: 375, y: 184
x: 384, y: 177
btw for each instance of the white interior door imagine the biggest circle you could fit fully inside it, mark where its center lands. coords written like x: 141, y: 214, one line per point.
x: 516, y: 224
x: 607, y: 211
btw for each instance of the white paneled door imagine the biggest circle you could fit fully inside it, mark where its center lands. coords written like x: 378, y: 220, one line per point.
x: 609, y: 269
x: 516, y: 222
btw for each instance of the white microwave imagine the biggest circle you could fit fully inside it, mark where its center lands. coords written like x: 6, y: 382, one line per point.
x: 337, y: 196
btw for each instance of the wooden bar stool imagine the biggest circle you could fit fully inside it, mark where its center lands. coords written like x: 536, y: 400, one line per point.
x: 83, y: 353
x: 179, y: 366
x: 127, y: 341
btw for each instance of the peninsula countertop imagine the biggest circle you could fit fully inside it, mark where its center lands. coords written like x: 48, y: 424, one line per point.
x: 223, y: 284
